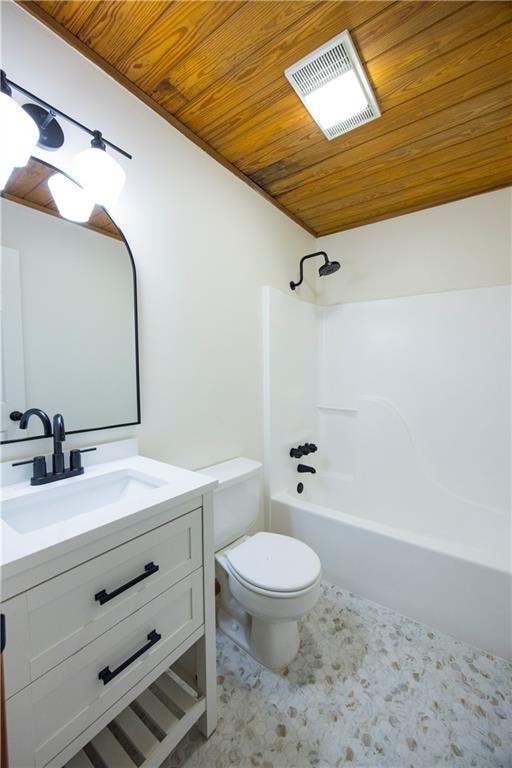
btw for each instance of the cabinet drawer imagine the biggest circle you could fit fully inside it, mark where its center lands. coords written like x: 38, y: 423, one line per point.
x: 71, y: 610
x: 68, y: 698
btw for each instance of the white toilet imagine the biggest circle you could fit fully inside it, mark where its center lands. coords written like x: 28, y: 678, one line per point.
x: 268, y: 581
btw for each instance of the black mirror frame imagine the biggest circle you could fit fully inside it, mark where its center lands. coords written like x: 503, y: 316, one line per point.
x: 136, y: 330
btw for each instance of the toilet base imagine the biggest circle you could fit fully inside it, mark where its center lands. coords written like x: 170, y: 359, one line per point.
x: 273, y: 644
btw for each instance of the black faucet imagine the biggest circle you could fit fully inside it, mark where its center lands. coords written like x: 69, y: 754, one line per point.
x: 45, y: 419
x: 304, y: 468
x: 59, y: 435
x: 41, y: 476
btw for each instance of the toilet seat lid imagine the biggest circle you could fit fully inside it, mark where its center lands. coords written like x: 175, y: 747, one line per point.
x: 275, y: 563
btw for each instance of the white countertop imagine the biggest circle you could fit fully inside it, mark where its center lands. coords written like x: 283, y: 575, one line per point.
x: 21, y: 551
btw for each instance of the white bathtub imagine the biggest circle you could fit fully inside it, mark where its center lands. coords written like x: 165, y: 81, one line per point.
x: 459, y: 584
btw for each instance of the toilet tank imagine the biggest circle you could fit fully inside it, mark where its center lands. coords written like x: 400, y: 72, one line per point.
x: 237, y: 499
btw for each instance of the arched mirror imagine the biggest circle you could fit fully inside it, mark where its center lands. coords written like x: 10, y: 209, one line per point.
x: 68, y: 312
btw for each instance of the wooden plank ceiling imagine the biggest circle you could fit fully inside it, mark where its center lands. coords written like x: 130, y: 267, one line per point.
x: 29, y: 186
x: 441, y: 72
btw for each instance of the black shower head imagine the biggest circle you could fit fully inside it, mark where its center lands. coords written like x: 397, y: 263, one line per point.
x: 329, y: 268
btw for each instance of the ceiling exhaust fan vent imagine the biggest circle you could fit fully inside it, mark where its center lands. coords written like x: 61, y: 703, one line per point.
x: 333, y: 87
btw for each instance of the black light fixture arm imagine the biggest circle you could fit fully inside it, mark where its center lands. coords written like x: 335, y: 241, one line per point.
x: 293, y: 285
x: 7, y: 85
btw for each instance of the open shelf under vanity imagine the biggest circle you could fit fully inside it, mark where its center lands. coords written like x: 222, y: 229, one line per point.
x: 147, y: 731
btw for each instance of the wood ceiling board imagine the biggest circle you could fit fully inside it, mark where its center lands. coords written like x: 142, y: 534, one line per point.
x: 42, y: 196
x: 72, y: 14
x: 116, y: 26
x: 245, y: 86
x: 482, y: 90
x: 381, y: 185
x: 177, y: 32
x: 390, y: 178
x: 451, y: 192
x: 488, y: 183
x: 295, y: 130
x: 320, y: 156
x: 498, y: 168
x: 441, y: 72
x: 255, y: 24
x: 23, y: 180
x: 293, y: 116
x: 478, y: 51
x: 361, y: 163
x: 403, y: 20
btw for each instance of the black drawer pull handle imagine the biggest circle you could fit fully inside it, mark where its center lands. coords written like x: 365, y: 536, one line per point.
x: 106, y: 675
x: 104, y: 596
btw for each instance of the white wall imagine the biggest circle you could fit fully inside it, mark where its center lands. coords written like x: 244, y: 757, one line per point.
x: 465, y: 244
x: 203, y: 243
x: 80, y: 359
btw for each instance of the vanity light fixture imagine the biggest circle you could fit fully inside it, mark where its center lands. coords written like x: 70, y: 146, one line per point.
x: 18, y: 134
x: 334, y: 88
x: 98, y: 173
x: 71, y: 200
x: 100, y: 176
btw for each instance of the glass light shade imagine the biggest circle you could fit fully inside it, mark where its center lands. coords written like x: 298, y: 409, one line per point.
x: 71, y: 200
x: 337, y: 100
x: 18, y: 136
x: 100, y: 175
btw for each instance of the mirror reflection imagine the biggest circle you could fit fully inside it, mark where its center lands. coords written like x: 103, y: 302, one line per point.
x: 68, y: 313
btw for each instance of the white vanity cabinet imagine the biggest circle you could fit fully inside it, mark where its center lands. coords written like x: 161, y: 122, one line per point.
x: 96, y: 654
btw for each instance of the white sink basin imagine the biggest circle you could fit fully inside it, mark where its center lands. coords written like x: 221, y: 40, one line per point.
x: 67, y: 499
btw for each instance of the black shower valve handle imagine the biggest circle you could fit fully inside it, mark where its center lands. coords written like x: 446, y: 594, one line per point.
x: 303, y: 450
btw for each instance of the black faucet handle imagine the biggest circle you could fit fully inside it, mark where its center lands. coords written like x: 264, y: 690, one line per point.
x: 39, y: 467
x: 296, y: 453
x: 305, y: 449
x: 312, y: 447
x: 75, y: 457
x: 39, y: 464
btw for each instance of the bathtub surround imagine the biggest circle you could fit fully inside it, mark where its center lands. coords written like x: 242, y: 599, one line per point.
x: 429, y: 377
x: 408, y: 402
x: 368, y: 688
x: 290, y: 364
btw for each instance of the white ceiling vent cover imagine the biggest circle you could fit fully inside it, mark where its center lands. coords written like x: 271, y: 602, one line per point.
x: 333, y: 87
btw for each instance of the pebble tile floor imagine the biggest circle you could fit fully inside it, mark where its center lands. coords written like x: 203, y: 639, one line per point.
x: 368, y: 688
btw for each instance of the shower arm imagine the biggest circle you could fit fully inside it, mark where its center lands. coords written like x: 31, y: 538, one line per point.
x: 293, y: 285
